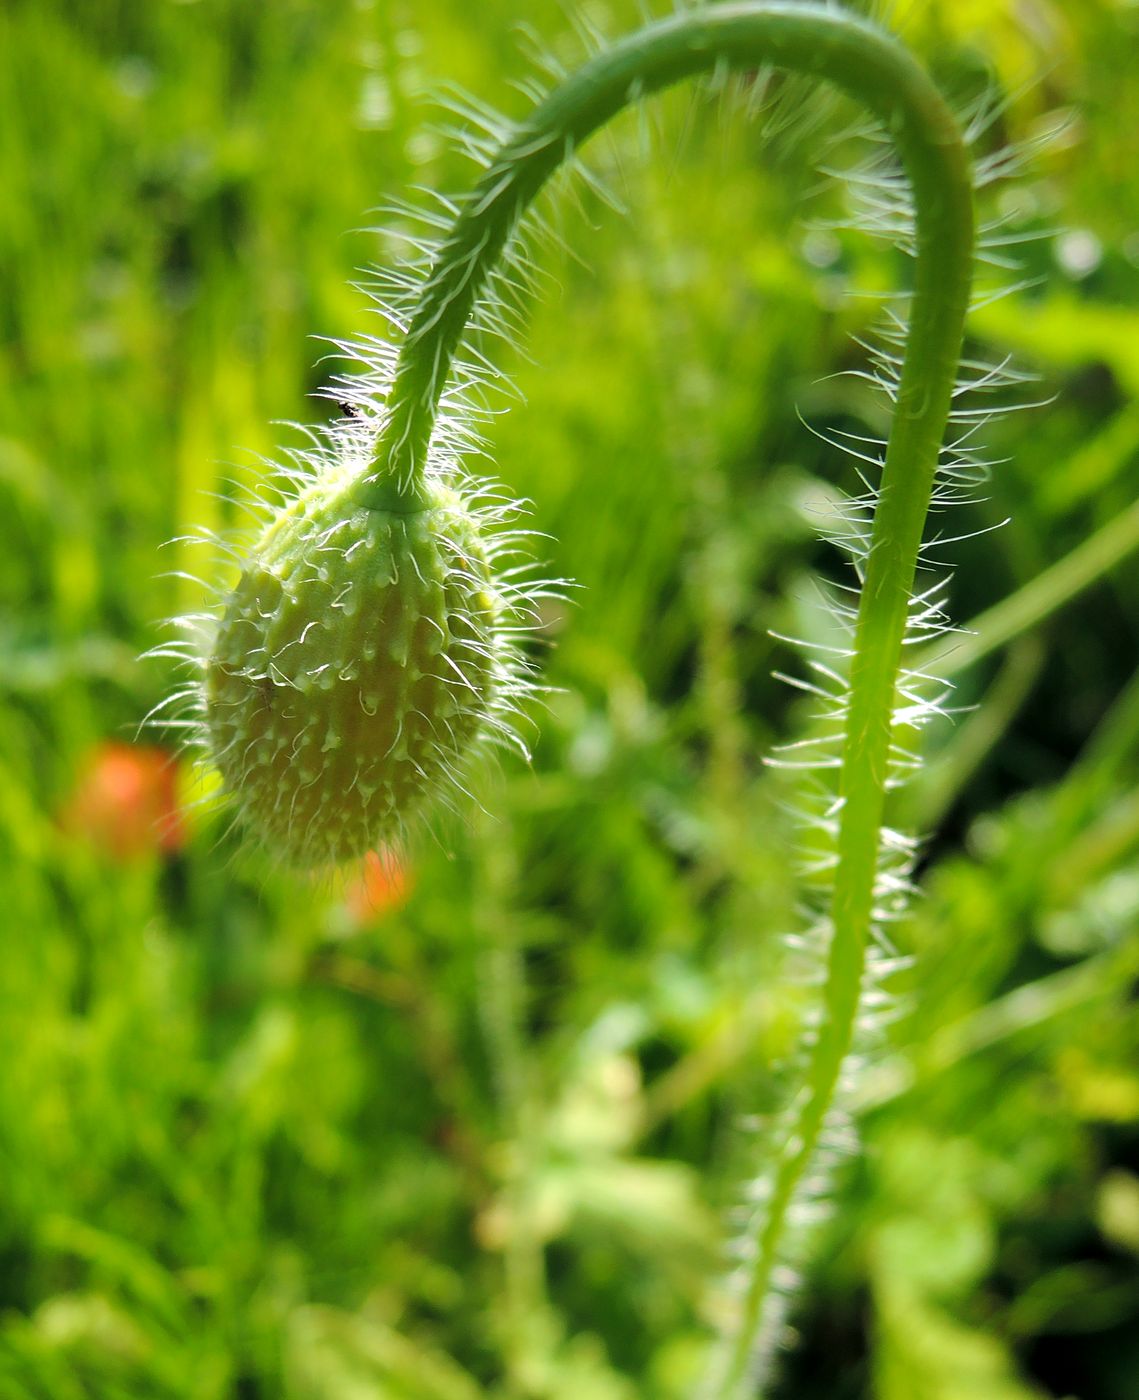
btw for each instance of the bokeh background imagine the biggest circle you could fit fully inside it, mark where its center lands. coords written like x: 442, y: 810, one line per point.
x: 467, y: 1126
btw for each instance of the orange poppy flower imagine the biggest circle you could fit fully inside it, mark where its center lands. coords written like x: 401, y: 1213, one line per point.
x: 383, y: 885
x: 126, y: 802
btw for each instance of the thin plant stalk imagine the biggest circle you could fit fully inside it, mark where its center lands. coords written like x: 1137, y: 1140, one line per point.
x: 876, y: 70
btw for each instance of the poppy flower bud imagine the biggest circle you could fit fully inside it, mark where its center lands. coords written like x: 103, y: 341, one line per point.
x: 352, y: 668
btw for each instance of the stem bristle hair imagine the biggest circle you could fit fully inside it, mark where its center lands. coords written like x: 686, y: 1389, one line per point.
x: 373, y: 639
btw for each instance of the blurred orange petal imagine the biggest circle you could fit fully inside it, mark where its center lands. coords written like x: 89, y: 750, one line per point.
x: 126, y: 802
x: 382, y: 886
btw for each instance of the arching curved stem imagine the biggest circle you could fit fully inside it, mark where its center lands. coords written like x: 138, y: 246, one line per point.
x: 875, y: 69
x: 804, y: 38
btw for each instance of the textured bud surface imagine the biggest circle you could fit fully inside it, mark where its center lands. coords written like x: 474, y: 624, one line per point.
x: 353, y: 666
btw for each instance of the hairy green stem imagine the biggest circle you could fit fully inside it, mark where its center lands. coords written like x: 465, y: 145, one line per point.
x: 876, y: 70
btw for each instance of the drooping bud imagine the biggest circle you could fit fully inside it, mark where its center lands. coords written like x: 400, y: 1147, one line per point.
x: 354, y: 665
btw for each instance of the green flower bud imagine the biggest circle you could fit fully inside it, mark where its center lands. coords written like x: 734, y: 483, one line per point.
x: 359, y: 658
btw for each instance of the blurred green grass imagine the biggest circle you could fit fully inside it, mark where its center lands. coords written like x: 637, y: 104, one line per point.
x: 258, y: 1138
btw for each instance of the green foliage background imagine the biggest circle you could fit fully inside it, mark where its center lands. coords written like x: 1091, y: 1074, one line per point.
x: 252, y: 1145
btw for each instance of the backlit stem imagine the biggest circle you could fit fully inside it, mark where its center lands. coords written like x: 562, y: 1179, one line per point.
x: 876, y: 70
